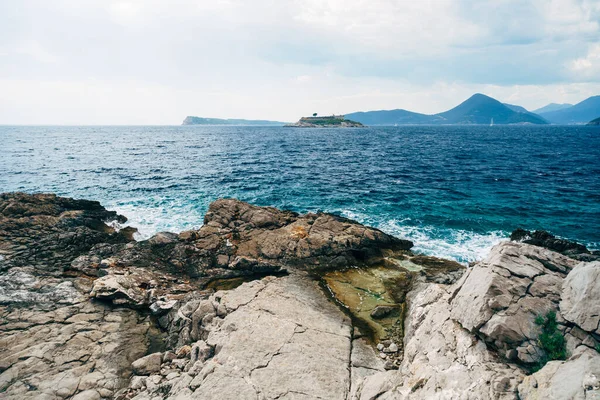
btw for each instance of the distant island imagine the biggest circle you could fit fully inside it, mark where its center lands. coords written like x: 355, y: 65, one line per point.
x: 594, y: 122
x: 217, y: 121
x: 330, y: 121
x: 479, y: 109
x: 580, y: 113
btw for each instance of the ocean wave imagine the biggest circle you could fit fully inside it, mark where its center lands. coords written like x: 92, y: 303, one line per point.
x: 460, y: 245
x: 457, y: 244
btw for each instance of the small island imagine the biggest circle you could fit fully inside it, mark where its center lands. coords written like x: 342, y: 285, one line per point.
x: 595, y: 122
x: 330, y: 121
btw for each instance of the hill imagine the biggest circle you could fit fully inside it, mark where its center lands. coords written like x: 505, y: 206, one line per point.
x: 580, y: 113
x: 217, y: 121
x: 478, y: 109
x: 552, y: 107
x: 594, y: 122
x: 516, y: 108
x: 391, y: 117
x: 330, y: 121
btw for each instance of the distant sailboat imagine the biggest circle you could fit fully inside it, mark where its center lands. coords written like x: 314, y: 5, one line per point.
x: 492, y: 122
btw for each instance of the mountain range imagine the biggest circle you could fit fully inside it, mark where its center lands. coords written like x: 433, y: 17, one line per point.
x: 218, y: 121
x: 478, y: 109
x: 580, y: 113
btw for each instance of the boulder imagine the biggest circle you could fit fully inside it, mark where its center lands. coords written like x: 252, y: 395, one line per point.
x: 576, y: 378
x: 500, y: 297
x: 147, y: 365
x: 580, y: 294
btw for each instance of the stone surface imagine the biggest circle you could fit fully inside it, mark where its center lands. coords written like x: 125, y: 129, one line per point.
x: 500, y: 297
x: 580, y: 294
x: 280, y: 338
x: 551, y: 242
x: 441, y: 359
x: 576, y: 378
x: 466, y: 335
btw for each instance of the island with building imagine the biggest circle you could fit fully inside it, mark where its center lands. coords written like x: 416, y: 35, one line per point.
x: 329, y: 121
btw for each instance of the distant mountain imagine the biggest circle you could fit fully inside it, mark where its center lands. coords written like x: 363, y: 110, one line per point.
x: 218, y: 121
x: 391, y: 117
x: 516, y: 108
x: 478, y: 109
x: 552, y: 107
x: 594, y: 122
x: 580, y: 113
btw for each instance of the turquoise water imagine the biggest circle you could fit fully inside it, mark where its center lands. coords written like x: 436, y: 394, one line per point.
x: 453, y: 190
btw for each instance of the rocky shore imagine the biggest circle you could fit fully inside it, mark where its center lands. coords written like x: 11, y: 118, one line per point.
x: 261, y: 303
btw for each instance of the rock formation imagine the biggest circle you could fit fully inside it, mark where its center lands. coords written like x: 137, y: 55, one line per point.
x: 237, y: 310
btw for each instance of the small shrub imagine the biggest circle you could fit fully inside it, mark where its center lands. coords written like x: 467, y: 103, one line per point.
x: 551, y: 340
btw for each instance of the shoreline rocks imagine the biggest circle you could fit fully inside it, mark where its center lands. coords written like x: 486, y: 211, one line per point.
x: 86, y: 312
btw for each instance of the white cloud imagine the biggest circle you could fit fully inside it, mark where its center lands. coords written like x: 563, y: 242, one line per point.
x: 156, y: 61
x: 587, y: 67
x: 36, y: 51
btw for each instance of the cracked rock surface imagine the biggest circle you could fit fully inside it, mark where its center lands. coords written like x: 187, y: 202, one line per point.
x: 88, y: 313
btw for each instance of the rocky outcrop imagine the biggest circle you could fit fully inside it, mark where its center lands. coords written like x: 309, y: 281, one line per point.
x: 54, y: 342
x: 500, y: 298
x: 476, y: 338
x: 545, y: 239
x: 86, y: 312
x: 237, y: 239
x: 274, y: 338
x: 56, y: 253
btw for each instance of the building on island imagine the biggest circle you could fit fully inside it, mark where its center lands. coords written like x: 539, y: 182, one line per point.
x: 323, y: 118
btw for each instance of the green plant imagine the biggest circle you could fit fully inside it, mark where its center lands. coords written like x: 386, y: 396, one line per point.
x: 551, y: 339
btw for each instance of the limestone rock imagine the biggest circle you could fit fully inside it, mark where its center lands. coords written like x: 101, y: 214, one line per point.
x: 576, y: 378
x: 580, y: 295
x: 551, y: 242
x: 148, y: 364
x: 500, y: 297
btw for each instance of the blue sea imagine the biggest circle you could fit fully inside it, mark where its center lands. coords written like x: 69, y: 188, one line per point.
x: 453, y: 190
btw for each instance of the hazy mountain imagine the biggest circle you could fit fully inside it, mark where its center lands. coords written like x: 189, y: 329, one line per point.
x: 580, y: 113
x: 478, y: 109
x: 594, y: 122
x: 391, y: 117
x: 552, y: 107
x: 218, y: 121
x: 516, y: 108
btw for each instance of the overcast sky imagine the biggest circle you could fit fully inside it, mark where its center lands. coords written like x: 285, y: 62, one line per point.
x: 156, y: 61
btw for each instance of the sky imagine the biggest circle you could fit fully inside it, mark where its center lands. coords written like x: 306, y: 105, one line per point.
x: 157, y: 61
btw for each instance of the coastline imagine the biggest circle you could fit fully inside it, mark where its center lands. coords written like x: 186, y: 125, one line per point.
x: 264, y: 300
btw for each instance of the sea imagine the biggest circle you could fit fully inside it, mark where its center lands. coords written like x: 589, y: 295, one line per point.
x: 455, y: 191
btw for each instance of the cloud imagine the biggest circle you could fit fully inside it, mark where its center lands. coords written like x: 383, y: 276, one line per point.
x: 278, y: 59
x: 587, y: 67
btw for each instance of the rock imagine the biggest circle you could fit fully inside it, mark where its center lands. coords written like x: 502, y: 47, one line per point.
x: 500, y: 297
x: 393, y: 348
x: 200, y: 351
x: 551, y: 242
x: 147, y: 365
x: 87, y: 395
x: 382, y: 311
x: 580, y: 294
x: 576, y: 378
x: 441, y: 359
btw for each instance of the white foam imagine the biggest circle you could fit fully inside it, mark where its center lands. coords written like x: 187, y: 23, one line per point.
x: 460, y: 245
x: 150, y: 220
